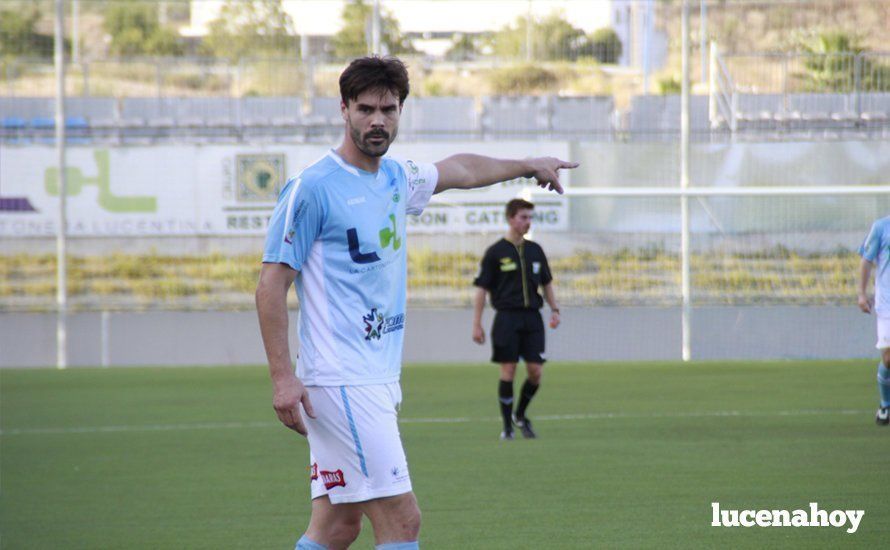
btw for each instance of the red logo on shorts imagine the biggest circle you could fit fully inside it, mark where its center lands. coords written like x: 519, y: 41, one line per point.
x: 313, y: 471
x: 332, y: 479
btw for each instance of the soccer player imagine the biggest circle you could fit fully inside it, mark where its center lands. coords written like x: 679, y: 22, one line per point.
x: 512, y: 270
x: 338, y: 230
x: 876, y: 251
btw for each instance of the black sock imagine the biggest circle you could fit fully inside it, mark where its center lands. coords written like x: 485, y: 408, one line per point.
x: 505, y: 398
x: 528, y: 391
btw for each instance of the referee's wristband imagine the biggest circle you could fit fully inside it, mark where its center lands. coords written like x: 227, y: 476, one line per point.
x: 555, y: 310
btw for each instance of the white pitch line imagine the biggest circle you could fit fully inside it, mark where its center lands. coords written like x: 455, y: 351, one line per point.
x: 409, y: 420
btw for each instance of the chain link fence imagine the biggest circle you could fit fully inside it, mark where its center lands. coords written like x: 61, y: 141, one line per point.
x: 203, y: 103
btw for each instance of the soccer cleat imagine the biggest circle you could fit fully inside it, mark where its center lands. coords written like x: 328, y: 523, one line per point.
x: 882, y: 417
x: 507, y: 435
x: 525, y: 426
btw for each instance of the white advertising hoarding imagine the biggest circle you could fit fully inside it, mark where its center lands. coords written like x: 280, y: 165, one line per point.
x: 222, y: 189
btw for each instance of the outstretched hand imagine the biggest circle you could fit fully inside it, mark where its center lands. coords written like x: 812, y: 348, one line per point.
x: 546, y: 172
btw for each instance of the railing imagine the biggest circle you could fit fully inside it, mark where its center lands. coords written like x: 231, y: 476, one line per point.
x: 787, y: 88
x: 722, y: 92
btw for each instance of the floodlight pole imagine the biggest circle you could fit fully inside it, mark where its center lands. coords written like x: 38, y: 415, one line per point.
x: 529, y: 36
x: 686, y: 313
x: 375, y: 29
x: 703, y: 42
x: 75, y: 31
x: 61, y: 245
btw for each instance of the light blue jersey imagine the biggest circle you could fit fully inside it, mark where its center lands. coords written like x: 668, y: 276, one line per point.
x: 876, y: 249
x: 343, y: 229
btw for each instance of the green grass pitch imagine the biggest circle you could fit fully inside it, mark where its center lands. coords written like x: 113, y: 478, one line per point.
x: 629, y: 455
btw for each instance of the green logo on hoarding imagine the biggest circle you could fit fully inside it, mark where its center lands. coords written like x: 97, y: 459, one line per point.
x: 259, y: 176
x: 107, y: 200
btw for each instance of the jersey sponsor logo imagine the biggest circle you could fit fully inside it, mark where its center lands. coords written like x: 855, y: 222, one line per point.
x: 355, y: 252
x: 332, y: 479
x: 313, y: 471
x: 355, y: 200
x: 373, y: 325
x: 299, y: 212
x: 393, y: 323
x: 507, y: 264
x: 413, y: 180
x: 388, y: 236
x: 377, y: 324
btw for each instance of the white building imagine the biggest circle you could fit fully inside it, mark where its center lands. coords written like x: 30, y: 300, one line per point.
x: 642, y: 45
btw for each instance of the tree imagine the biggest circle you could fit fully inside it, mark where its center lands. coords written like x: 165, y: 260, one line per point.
x: 19, y: 37
x: 523, y: 79
x: 833, y: 64
x: 553, y: 38
x: 605, y: 45
x: 351, y: 39
x: 135, y: 30
x: 251, y: 29
x: 464, y: 47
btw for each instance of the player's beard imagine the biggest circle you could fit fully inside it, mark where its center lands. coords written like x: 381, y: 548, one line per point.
x: 363, y: 143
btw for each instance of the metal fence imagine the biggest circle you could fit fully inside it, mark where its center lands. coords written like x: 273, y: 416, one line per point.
x: 195, y: 112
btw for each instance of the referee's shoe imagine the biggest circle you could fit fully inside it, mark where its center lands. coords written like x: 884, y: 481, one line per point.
x: 525, y: 426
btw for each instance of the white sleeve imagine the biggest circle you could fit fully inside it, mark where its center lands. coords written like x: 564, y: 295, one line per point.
x: 422, y: 179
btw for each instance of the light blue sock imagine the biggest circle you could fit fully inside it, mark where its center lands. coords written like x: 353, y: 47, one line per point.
x: 398, y: 546
x: 305, y: 543
x: 884, y: 384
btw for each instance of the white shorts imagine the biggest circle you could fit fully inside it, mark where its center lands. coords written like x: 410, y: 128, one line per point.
x: 883, y: 333
x: 355, y: 451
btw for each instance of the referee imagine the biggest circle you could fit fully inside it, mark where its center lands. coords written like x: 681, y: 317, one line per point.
x: 512, y: 270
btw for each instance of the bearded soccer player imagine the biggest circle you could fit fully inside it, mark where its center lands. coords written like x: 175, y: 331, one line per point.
x: 338, y: 230
x: 875, y: 251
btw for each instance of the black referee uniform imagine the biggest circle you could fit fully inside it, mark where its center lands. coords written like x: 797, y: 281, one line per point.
x: 512, y: 274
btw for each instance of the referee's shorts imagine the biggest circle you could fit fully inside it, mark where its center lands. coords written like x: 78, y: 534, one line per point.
x: 517, y: 333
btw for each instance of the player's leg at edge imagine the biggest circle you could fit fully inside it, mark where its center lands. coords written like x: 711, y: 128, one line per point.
x: 505, y: 398
x: 396, y: 523
x: 882, y: 417
x: 331, y: 527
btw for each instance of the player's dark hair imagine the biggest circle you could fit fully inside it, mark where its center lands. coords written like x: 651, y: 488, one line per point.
x: 374, y: 73
x: 516, y: 205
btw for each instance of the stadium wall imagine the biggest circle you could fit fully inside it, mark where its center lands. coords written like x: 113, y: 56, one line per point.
x: 443, y: 335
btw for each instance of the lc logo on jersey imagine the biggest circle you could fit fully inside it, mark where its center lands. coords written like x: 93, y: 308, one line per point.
x: 388, y: 236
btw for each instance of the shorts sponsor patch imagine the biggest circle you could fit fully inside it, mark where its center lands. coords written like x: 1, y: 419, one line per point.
x: 332, y: 479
